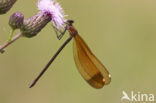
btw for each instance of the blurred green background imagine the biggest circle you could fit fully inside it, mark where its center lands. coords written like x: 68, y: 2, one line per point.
x: 121, y: 33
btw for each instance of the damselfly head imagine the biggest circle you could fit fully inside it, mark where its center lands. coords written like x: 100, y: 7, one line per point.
x: 70, y: 22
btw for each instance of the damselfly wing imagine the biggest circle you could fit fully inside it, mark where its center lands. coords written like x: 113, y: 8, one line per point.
x: 91, y: 69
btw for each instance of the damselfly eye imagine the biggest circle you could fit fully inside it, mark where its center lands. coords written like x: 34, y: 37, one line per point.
x: 70, y: 21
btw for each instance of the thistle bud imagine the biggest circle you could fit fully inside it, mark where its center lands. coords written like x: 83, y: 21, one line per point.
x: 5, y: 5
x: 32, y: 26
x: 16, y: 20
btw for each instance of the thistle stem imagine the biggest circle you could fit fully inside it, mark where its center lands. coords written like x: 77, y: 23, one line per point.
x: 6, y: 44
x: 11, y: 35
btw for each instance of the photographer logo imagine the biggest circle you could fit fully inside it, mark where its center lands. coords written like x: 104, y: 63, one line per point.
x: 137, y: 97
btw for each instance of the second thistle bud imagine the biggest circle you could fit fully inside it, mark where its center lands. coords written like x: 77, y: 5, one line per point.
x: 5, y: 5
x: 16, y: 20
x: 32, y: 26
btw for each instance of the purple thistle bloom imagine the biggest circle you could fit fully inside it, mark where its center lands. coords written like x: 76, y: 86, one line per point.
x: 50, y: 11
x: 55, y: 10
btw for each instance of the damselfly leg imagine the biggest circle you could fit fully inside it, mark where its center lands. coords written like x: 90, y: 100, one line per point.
x: 59, y: 33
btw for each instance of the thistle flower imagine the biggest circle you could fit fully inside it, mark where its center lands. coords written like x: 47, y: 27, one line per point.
x: 50, y: 10
x: 55, y: 10
x: 32, y: 26
x: 16, y: 20
x: 5, y: 5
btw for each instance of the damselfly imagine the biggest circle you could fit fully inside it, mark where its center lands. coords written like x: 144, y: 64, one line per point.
x: 91, y: 69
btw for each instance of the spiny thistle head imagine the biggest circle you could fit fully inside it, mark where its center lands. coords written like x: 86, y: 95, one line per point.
x: 32, y: 26
x: 50, y: 10
x: 16, y: 20
x: 5, y: 5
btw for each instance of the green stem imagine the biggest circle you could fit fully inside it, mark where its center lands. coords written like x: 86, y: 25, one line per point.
x: 6, y: 44
x: 11, y: 35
